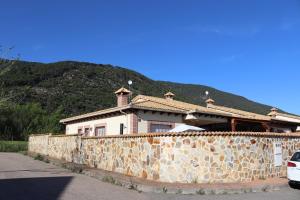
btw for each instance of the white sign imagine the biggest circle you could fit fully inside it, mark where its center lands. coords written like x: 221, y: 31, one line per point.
x: 277, y: 154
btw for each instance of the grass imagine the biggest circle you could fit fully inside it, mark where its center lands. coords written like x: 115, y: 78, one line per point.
x: 165, y: 190
x: 39, y: 157
x: 201, y: 191
x: 110, y: 179
x: 13, y: 146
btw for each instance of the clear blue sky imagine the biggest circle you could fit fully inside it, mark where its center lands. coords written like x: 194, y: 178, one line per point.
x: 250, y: 48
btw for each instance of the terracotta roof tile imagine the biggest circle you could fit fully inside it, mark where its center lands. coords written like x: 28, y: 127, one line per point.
x: 289, y: 115
x: 176, y: 104
x: 161, y: 104
x: 93, y: 114
x: 212, y: 109
x: 240, y: 113
x: 156, y: 106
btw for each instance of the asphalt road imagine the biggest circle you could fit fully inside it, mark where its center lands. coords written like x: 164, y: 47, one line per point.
x: 23, y: 178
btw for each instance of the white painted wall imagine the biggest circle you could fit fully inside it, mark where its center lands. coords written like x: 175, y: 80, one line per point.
x: 112, y: 125
x: 143, y: 119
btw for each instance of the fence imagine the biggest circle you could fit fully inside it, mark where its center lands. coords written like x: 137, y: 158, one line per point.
x: 194, y: 157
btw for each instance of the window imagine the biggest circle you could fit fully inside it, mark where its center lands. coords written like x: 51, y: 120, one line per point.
x: 100, y: 131
x: 121, y: 129
x: 158, y: 128
x: 86, y: 131
x: 296, y: 157
x: 79, y: 131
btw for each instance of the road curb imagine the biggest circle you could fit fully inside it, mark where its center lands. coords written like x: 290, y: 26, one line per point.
x: 181, y: 190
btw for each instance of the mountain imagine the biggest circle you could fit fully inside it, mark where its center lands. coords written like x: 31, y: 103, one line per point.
x: 80, y: 87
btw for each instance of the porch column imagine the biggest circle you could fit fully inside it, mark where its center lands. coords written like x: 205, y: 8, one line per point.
x: 233, y: 125
x: 133, y: 123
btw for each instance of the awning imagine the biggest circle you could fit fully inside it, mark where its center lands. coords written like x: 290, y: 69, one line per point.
x: 184, y: 128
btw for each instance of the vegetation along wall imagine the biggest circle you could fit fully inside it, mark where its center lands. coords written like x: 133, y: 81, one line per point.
x: 196, y: 157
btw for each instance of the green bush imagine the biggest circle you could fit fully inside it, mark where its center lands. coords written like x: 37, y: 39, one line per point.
x: 13, y: 146
x: 39, y: 157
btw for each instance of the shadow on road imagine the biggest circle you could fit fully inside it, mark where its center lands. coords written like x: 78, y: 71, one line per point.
x: 28, y: 170
x: 296, y: 187
x: 40, y: 188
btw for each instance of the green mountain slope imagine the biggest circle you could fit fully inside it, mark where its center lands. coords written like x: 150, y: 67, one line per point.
x: 80, y: 87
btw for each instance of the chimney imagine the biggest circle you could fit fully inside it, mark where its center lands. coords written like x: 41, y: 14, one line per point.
x: 169, y: 96
x: 209, y: 102
x: 273, y: 112
x: 122, y: 96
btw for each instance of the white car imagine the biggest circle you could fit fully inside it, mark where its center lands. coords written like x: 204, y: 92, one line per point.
x: 293, y: 170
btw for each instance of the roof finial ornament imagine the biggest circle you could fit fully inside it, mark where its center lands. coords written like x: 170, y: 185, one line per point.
x: 274, y: 109
x: 209, y: 102
x: 169, y: 95
x: 122, y: 90
x: 273, y: 112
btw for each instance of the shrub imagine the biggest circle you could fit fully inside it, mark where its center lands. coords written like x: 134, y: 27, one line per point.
x: 13, y: 146
x: 39, y: 157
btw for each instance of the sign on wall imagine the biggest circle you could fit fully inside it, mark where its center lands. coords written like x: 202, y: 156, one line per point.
x: 277, y: 154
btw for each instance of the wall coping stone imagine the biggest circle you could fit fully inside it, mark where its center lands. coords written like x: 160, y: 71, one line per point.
x: 195, y: 133
x: 42, y: 134
x: 63, y: 135
x: 183, y: 134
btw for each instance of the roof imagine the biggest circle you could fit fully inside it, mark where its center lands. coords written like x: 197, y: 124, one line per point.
x: 161, y: 104
x: 93, y: 114
x: 154, y: 102
x: 288, y: 115
x: 169, y: 94
x: 211, y: 101
x: 172, y: 105
x: 122, y: 90
x: 150, y: 105
x: 240, y: 113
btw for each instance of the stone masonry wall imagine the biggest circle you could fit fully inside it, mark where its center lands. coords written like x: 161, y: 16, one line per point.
x: 38, y: 143
x: 198, y: 157
x: 64, y: 148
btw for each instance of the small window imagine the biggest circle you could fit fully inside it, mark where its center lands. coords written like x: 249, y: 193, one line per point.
x: 86, y: 131
x: 296, y: 157
x: 121, y: 129
x: 79, y: 131
x: 100, y: 131
x: 159, y: 128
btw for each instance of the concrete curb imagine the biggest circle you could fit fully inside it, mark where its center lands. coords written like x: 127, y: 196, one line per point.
x: 141, y: 185
x: 168, y: 189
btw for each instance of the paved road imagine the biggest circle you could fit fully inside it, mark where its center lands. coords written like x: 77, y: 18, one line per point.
x: 23, y: 178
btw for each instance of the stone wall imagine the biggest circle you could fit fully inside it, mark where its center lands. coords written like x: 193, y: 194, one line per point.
x: 38, y: 143
x: 199, y: 157
x: 64, y: 147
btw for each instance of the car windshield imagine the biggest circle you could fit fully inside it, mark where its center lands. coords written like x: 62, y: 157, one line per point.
x: 296, y: 157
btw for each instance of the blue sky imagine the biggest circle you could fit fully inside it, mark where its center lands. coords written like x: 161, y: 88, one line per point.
x: 250, y: 48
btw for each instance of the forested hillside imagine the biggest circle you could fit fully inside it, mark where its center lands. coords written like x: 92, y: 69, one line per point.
x: 34, y: 96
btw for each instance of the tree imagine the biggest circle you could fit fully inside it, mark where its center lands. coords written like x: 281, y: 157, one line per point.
x: 6, y: 63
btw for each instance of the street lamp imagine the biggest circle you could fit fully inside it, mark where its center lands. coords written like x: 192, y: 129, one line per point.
x: 129, y: 84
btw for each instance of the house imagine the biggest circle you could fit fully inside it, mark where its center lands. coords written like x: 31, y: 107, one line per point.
x: 283, y: 117
x: 144, y: 114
